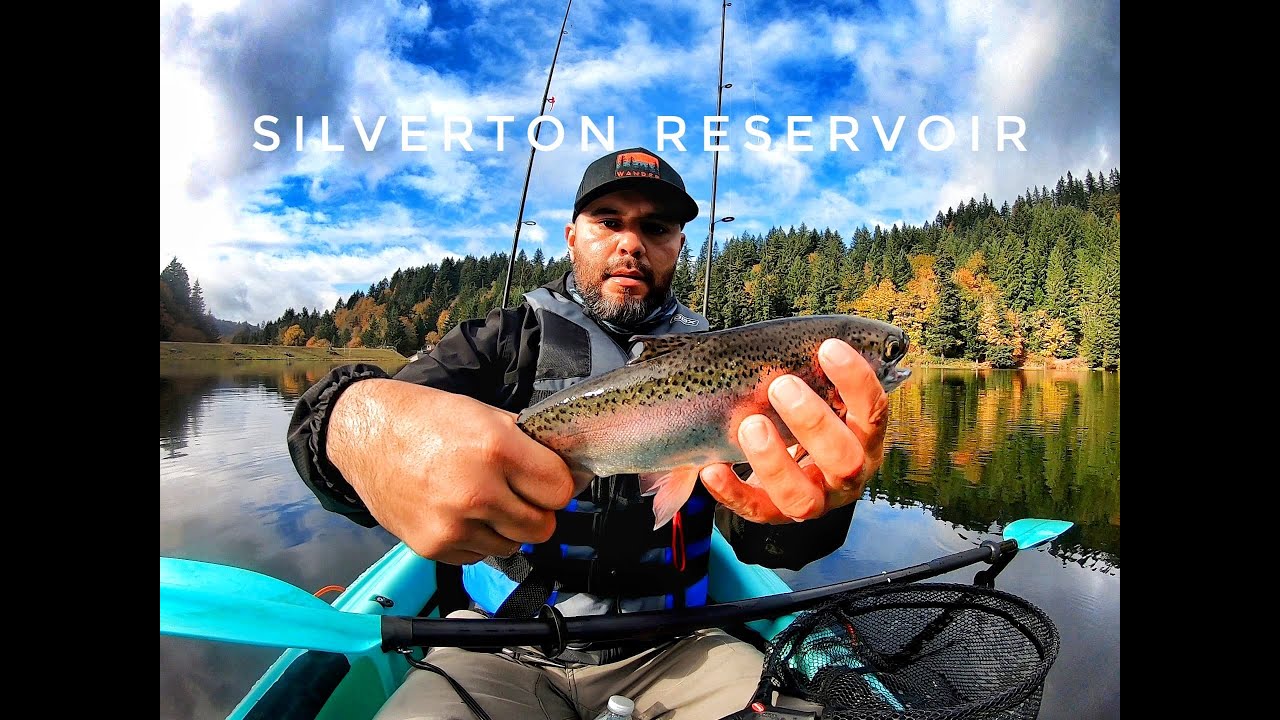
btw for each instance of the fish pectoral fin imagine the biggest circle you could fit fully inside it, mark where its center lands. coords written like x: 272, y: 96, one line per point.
x: 671, y: 490
x: 582, y: 478
x: 655, y: 345
x: 651, y: 483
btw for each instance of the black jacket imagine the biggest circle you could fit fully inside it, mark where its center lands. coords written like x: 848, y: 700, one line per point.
x: 493, y: 360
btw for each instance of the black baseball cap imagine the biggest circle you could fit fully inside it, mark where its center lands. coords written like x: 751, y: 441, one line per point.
x: 636, y: 169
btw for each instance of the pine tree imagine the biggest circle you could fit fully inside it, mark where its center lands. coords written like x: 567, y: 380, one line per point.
x: 539, y: 268
x: 370, y: 336
x: 973, y: 346
x: 1111, y: 314
x: 824, y: 283
x: 326, y: 330
x: 796, y: 283
x: 682, y: 283
x: 196, y: 304
x: 1103, y: 330
x: 1058, y: 295
x: 175, y: 275
x: 901, y: 273
x: 167, y: 323
x: 943, y: 335
x: 396, y: 337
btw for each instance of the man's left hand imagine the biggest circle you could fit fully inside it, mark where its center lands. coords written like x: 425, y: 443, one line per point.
x: 834, y: 457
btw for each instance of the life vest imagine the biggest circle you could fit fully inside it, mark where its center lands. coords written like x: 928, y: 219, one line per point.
x: 604, y: 555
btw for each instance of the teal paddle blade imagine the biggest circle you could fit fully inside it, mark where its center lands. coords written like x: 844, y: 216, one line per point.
x: 197, y: 575
x: 1031, y: 532
x: 216, y: 602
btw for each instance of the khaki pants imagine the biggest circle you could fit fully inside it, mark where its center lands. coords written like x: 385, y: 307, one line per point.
x: 704, y: 676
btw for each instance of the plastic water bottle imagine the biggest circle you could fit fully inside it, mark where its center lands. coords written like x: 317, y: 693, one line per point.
x: 620, y: 708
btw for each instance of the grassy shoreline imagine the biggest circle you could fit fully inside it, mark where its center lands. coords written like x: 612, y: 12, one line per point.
x: 1031, y: 363
x: 227, y: 351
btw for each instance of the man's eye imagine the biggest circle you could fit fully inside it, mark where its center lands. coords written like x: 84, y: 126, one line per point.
x: 611, y: 224
x: 655, y: 229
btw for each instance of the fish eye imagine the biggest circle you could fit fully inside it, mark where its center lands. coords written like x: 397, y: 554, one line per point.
x: 891, y: 349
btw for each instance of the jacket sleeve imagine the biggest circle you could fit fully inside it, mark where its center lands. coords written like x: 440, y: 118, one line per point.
x: 790, y: 546
x: 469, y: 360
x: 307, y: 433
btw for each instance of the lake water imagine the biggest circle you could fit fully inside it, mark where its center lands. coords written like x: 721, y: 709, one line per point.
x: 967, y: 452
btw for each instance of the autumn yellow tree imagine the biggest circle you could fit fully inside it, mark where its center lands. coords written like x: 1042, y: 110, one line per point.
x: 342, y: 319
x: 366, y: 310
x: 443, y: 322
x: 1044, y: 335
x: 878, y: 302
x: 918, y: 298
x: 293, y: 337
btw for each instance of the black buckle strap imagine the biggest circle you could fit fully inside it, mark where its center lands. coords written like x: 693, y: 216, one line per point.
x: 603, y: 579
x: 586, y: 529
x: 577, y: 528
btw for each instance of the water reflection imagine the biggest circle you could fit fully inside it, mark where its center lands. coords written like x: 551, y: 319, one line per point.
x: 995, y: 446
x: 229, y: 494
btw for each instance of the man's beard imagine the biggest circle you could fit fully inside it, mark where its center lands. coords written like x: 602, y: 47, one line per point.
x: 627, y: 310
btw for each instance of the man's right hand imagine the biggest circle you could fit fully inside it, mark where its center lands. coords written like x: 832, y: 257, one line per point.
x: 456, y: 480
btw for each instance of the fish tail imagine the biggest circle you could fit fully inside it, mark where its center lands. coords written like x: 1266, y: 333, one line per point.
x: 671, y: 489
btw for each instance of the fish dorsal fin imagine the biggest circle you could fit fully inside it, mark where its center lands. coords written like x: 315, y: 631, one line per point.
x: 655, y: 345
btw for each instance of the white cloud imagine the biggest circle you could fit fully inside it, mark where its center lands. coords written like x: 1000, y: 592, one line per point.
x: 415, y: 18
x: 237, y: 217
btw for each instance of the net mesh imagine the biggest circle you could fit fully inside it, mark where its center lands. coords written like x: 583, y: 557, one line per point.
x: 920, y: 651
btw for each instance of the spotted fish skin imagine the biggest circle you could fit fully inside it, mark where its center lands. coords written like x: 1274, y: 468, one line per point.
x: 676, y: 408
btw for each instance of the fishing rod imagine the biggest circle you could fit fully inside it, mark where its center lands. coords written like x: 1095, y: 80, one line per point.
x: 227, y: 604
x: 715, y: 165
x: 533, y: 149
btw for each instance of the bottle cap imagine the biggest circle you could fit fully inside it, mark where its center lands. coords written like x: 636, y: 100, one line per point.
x: 621, y: 705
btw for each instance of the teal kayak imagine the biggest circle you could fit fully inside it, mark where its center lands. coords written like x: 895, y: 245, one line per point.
x: 311, y: 684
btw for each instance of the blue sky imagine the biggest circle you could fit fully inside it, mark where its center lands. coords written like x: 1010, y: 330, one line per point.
x: 265, y: 230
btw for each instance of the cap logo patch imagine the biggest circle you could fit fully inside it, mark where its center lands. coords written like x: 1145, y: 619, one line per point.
x: 635, y: 164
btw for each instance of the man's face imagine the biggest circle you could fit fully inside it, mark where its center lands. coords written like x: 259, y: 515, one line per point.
x: 624, y: 248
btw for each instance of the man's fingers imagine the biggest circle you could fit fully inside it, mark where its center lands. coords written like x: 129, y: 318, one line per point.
x: 483, y: 540
x: 536, y: 473
x: 521, y: 522
x: 865, y: 400
x: 459, y: 557
x: 827, y: 439
x: 791, y: 491
x: 748, y: 501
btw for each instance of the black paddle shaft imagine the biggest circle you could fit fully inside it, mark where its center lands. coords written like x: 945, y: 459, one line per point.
x: 555, y: 631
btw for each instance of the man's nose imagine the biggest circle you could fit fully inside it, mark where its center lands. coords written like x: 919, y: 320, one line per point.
x: 629, y: 242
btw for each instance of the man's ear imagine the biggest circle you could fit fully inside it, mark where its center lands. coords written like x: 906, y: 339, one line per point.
x: 569, y: 238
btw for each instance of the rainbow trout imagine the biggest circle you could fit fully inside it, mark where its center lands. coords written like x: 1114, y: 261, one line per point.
x: 676, y: 408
